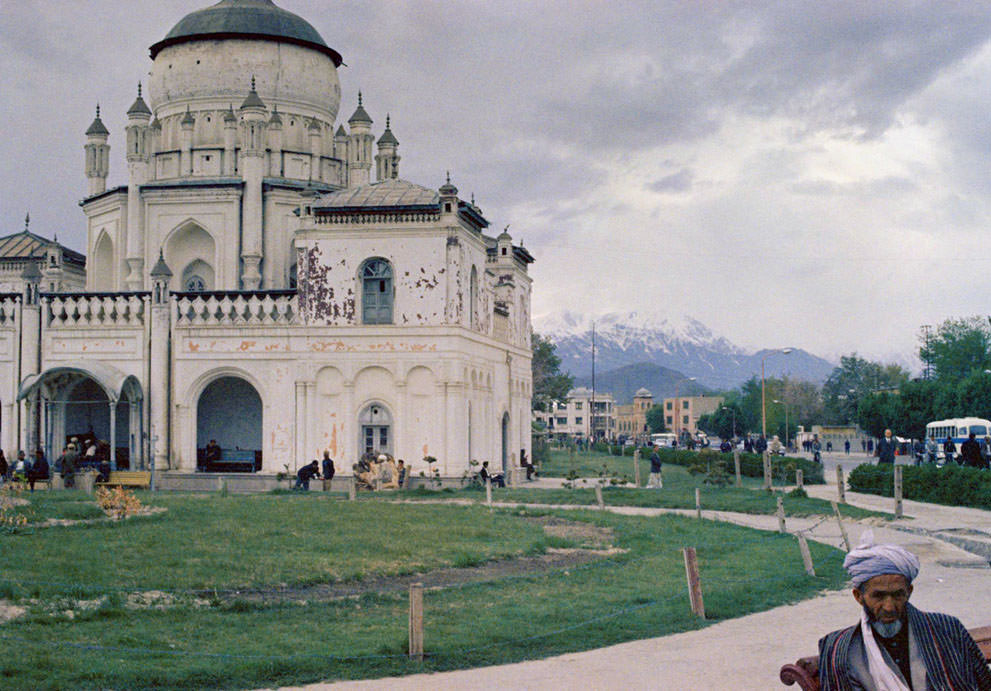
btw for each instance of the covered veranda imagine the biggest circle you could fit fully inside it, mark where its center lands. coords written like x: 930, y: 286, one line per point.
x: 91, y: 400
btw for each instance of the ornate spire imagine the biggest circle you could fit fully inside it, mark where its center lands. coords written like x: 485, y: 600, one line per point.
x: 447, y: 189
x: 360, y: 115
x: 388, y: 137
x: 139, y: 107
x: 27, y: 221
x: 97, y: 128
x: 253, y: 100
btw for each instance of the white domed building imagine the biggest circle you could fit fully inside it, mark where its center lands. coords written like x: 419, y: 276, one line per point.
x: 253, y: 282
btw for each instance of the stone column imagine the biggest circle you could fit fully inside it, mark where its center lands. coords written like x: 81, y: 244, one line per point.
x: 113, y: 435
x: 160, y: 379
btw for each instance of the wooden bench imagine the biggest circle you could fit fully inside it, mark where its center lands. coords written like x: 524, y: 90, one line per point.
x: 805, y: 672
x: 127, y: 478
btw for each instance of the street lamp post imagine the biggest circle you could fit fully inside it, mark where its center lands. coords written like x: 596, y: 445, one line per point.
x: 786, y: 421
x: 732, y: 410
x: 677, y: 404
x: 763, y: 398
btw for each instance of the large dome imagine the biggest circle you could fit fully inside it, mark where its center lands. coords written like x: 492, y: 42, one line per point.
x: 252, y: 19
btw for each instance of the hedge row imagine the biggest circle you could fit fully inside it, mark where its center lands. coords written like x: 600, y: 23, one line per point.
x: 751, y: 464
x: 952, y: 485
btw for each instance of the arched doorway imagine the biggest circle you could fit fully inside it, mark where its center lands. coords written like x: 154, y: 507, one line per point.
x: 229, y: 411
x: 375, y: 425
x: 505, y: 442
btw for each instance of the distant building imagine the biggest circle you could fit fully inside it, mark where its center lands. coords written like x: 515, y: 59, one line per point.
x: 60, y: 269
x: 682, y: 414
x: 574, y: 418
x: 631, y: 419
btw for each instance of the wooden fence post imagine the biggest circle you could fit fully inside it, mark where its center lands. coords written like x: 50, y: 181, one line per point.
x: 803, y: 546
x: 598, y: 497
x: 352, y: 489
x: 416, y: 621
x: 736, y: 463
x: 694, y: 582
x: 698, y: 503
x: 898, y: 491
x: 800, y: 478
x: 767, y: 470
x: 840, y: 484
x: 488, y: 491
x: 781, y: 515
x: 839, y: 520
x: 636, y: 467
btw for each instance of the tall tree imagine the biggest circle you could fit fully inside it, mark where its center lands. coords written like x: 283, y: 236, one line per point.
x: 655, y: 419
x: 549, y: 383
x: 959, y: 347
x: 855, y: 379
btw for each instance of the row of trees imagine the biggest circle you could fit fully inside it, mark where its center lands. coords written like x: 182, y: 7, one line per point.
x: 956, y: 383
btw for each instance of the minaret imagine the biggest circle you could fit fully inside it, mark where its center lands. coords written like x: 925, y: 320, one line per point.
x: 254, y: 116
x: 186, y: 143
x: 275, y: 141
x: 387, y: 160
x: 448, y: 197
x: 138, y: 134
x: 315, y: 134
x: 230, y: 142
x: 360, y: 147
x: 97, y: 155
x: 159, y: 363
x: 341, y: 151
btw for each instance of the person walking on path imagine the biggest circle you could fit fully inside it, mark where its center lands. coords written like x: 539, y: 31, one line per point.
x: 949, y: 450
x: 68, y: 471
x: 656, y: 480
x: 886, y: 449
x: 846, y: 447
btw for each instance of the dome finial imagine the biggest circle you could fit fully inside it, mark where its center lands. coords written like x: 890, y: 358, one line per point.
x: 27, y: 221
x: 139, y: 89
x: 359, y: 97
x: 252, y: 82
x: 387, y: 116
x: 98, y: 109
x: 448, y: 177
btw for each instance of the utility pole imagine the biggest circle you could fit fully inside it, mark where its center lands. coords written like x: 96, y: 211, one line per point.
x: 591, y: 413
x: 925, y: 329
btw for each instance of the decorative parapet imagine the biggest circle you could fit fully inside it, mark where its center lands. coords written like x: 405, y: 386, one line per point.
x: 10, y: 304
x: 64, y: 310
x: 229, y: 308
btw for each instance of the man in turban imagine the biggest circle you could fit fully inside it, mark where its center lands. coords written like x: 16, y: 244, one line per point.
x: 896, y: 647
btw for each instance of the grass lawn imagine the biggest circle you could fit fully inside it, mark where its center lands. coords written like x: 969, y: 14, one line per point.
x: 635, y: 593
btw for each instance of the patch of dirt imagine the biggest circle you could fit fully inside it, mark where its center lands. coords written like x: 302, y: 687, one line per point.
x: 436, y: 579
x: 14, y: 501
x: 595, y: 543
x: 157, y: 599
x: 9, y: 611
x: 143, y: 511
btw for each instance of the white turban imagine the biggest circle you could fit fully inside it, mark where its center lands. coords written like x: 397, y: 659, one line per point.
x: 869, y: 560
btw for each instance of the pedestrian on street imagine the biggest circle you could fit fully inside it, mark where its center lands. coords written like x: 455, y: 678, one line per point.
x: 846, y: 447
x: 656, y: 480
x: 886, y: 449
x: 970, y: 453
x: 931, y: 448
x: 949, y: 450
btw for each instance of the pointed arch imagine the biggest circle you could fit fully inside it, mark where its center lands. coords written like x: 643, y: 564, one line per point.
x: 101, y: 267
x: 191, y: 246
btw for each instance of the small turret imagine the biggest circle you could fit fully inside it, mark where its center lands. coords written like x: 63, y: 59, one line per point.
x: 448, y: 196
x: 504, y: 246
x: 387, y: 160
x: 360, y: 147
x: 254, y: 115
x: 341, y: 144
x: 32, y: 278
x: 97, y: 155
x: 160, y: 277
x: 139, y: 107
x: 138, y: 117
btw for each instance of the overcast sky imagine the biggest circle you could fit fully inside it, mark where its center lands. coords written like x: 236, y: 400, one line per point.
x: 812, y: 174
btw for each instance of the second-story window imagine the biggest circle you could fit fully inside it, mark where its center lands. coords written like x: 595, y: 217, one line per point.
x: 376, y: 292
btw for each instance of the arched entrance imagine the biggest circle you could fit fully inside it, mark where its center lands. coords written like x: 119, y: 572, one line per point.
x: 95, y: 403
x: 229, y: 411
x: 505, y: 442
x: 375, y: 425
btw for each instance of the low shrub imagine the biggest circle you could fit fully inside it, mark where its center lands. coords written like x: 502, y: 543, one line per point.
x: 952, y: 485
x: 751, y: 464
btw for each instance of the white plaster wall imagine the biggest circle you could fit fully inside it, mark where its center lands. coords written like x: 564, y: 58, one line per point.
x: 215, y: 73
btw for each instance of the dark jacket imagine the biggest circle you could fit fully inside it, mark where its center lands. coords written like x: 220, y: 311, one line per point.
x: 951, y: 656
x: 970, y: 452
x: 886, y: 450
x: 655, y: 463
x: 40, y: 468
x: 328, y: 468
x: 307, y: 472
x: 3, y: 466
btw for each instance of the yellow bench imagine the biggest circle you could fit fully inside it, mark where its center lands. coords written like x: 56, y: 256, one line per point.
x: 128, y: 478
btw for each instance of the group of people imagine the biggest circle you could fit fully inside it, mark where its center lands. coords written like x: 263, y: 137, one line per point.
x: 38, y: 469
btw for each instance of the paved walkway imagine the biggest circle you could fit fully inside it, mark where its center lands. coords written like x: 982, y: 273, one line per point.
x: 746, y: 653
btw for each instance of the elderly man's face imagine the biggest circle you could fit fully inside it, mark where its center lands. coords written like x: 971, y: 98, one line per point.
x: 884, y: 597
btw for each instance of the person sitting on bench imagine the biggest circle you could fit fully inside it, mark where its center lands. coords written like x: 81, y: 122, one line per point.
x: 39, y: 469
x: 525, y: 463
x: 895, y: 646
x: 496, y: 479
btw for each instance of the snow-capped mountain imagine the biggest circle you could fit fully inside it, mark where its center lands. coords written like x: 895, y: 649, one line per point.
x: 685, y: 345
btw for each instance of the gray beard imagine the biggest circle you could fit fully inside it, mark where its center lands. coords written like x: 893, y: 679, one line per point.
x: 881, y: 629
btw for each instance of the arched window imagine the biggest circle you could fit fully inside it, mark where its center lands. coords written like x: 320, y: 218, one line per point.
x: 376, y: 292
x: 194, y: 284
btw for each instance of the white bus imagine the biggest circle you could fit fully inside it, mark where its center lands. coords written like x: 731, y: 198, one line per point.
x: 958, y: 429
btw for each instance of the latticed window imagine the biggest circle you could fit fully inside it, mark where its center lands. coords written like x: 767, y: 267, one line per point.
x: 195, y: 284
x: 376, y: 292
